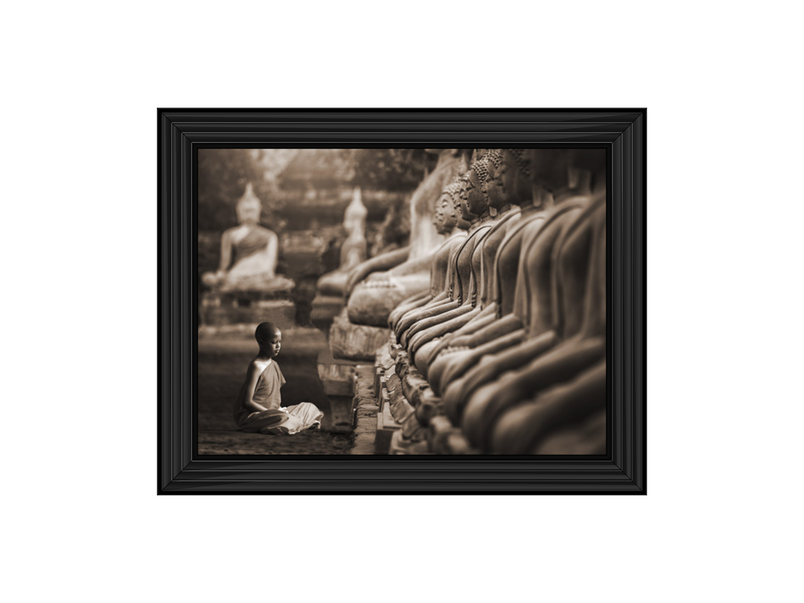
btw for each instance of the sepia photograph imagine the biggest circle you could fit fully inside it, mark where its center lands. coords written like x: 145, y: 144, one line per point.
x: 401, y: 301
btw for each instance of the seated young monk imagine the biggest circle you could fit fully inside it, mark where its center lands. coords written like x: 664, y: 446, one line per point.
x: 508, y: 187
x: 579, y: 328
x: 257, y: 407
x: 448, y: 222
x: 474, y: 208
x: 527, y: 330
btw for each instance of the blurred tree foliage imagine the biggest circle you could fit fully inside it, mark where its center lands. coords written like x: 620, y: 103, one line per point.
x: 390, y: 169
x: 222, y: 178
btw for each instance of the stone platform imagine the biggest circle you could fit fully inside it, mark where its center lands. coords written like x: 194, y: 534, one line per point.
x: 222, y: 308
x: 339, y: 379
x: 349, y: 341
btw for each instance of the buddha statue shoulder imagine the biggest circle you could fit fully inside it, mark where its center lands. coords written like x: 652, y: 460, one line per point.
x: 249, y: 252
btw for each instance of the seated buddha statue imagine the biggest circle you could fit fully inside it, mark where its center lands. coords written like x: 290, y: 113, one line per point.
x: 448, y: 222
x: 506, y: 186
x: 528, y: 330
x: 578, y: 332
x: 405, y: 272
x: 249, y: 252
x: 353, y: 250
x: 458, y: 298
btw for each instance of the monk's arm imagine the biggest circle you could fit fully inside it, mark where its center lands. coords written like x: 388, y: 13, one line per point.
x: 252, y: 375
x: 384, y: 261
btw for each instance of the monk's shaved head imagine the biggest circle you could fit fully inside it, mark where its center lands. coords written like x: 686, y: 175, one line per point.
x: 265, y: 331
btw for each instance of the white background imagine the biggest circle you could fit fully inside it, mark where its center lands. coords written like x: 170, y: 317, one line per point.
x: 82, y: 81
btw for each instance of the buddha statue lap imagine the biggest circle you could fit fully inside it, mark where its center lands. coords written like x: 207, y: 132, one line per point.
x: 353, y: 250
x: 406, y: 273
x: 249, y: 253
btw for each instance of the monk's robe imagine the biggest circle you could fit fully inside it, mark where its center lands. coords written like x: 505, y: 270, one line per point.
x: 277, y: 420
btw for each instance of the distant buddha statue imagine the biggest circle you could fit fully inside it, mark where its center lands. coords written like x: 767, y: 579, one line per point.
x: 377, y: 286
x: 249, y: 252
x: 353, y: 250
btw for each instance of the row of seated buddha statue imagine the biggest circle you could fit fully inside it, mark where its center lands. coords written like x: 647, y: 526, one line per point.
x: 508, y: 340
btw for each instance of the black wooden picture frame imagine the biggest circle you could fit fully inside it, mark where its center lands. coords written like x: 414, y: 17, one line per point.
x: 181, y: 132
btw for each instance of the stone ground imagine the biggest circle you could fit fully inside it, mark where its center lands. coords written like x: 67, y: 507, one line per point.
x: 222, y: 363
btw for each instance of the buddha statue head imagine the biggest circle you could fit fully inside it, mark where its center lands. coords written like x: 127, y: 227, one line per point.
x: 474, y: 204
x: 506, y: 179
x: 248, y: 207
x: 449, y: 209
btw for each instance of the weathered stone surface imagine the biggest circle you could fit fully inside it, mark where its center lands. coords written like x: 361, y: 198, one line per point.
x: 366, y: 410
x: 355, y: 342
x: 400, y: 409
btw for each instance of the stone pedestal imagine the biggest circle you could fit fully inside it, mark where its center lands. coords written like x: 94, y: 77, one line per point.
x: 339, y: 381
x: 222, y: 308
x: 355, y: 342
x: 325, y: 309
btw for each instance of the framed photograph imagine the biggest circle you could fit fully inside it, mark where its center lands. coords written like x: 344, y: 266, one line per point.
x: 402, y: 301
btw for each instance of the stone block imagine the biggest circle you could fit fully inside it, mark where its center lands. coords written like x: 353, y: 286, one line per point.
x: 355, y: 342
x: 325, y: 308
x: 386, y: 426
